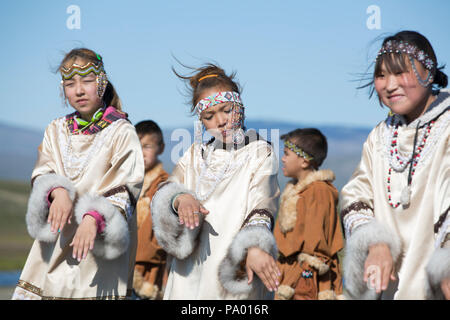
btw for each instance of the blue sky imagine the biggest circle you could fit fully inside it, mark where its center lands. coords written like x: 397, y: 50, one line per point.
x: 296, y: 60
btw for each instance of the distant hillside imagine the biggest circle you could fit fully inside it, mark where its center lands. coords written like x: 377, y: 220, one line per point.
x: 15, y: 243
x: 345, y: 144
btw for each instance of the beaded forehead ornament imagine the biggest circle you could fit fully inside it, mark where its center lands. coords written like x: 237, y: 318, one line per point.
x: 412, y: 51
x: 219, y: 97
x: 237, y: 117
x: 96, y: 68
x: 297, y: 150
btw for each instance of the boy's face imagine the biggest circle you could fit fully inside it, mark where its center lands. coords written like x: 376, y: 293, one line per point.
x: 150, y: 149
x: 293, y: 165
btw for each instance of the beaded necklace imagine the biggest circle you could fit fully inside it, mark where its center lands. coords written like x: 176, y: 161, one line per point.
x: 206, y: 173
x: 399, y: 163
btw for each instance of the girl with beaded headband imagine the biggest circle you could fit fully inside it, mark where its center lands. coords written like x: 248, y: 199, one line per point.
x: 214, y: 214
x: 395, y: 206
x: 81, y: 208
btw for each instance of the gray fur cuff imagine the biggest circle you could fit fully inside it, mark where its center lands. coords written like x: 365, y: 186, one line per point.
x: 115, y: 239
x: 356, y: 254
x: 250, y: 236
x: 173, y: 237
x: 37, y: 211
x: 437, y: 269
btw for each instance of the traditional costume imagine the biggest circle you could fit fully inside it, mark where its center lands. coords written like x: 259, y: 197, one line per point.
x: 400, y: 195
x: 309, y: 236
x: 239, y: 187
x: 101, y: 166
x: 150, y: 273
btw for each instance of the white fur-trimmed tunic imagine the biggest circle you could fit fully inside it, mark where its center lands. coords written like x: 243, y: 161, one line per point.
x: 416, y: 234
x: 208, y: 259
x: 102, y: 172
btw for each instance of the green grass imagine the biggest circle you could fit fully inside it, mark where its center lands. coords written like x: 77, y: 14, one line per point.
x: 15, y: 243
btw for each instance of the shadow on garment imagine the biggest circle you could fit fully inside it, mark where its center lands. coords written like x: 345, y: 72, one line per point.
x: 184, y: 267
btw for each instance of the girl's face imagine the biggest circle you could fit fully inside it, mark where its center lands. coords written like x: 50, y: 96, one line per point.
x: 402, y: 92
x: 81, y: 92
x: 217, y: 119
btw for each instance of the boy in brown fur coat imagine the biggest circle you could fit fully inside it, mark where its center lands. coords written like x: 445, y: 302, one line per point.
x: 308, y: 231
x: 150, y: 274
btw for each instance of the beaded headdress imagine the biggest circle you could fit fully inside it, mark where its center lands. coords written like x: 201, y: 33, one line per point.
x: 412, y: 51
x: 297, y: 150
x: 237, y: 122
x: 96, y: 68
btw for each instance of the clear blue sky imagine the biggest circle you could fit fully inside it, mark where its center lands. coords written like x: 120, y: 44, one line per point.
x: 295, y: 59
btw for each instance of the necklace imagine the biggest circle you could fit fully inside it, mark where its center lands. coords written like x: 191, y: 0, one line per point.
x: 399, y: 163
x: 207, y: 174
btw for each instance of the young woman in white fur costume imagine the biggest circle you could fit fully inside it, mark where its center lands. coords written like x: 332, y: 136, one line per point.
x: 395, y: 207
x: 86, y: 179
x: 214, y: 214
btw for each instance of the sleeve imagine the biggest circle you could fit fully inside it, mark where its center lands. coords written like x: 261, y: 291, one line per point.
x: 116, y: 197
x: 356, y: 198
x: 256, y: 230
x: 173, y: 237
x: 361, y: 228
x: 438, y: 267
x: 148, y: 248
x: 325, y: 207
x: 44, y: 179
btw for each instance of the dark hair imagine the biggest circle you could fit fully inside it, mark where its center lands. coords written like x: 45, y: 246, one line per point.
x: 312, y: 141
x: 396, y: 62
x: 218, y: 78
x: 149, y: 127
x: 110, y: 97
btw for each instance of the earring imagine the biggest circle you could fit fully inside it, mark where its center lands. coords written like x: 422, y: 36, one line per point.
x: 102, y: 82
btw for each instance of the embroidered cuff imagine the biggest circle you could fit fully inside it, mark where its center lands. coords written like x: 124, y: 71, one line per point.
x: 356, y: 215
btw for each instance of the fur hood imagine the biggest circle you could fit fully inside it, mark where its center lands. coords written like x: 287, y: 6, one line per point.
x: 287, y: 216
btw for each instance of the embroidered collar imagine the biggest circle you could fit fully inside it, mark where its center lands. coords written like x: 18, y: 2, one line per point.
x: 110, y: 114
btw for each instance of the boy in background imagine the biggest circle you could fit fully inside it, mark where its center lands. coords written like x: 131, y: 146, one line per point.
x: 150, y: 274
x: 308, y: 231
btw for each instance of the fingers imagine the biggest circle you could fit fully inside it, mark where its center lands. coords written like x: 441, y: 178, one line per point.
x: 203, y: 210
x: 387, y: 272
x: 82, y: 242
x: 269, y: 275
x: 249, y: 274
x: 81, y: 247
x: 445, y: 287
x: 189, y: 214
x: 58, y: 217
x: 372, y: 276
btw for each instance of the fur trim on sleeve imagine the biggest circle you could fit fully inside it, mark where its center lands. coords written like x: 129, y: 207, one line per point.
x: 285, y: 292
x: 314, y: 262
x: 327, y: 295
x: 37, y: 211
x: 437, y: 269
x: 115, y: 239
x: 173, y: 237
x: 356, y: 254
x: 231, y: 276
